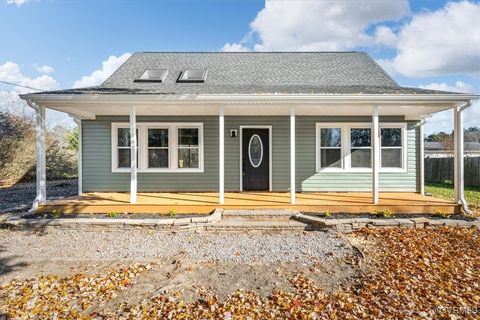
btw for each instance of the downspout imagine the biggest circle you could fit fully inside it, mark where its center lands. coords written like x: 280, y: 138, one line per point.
x: 461, y: 195
x: 79, y: 155
x: 420, y: 127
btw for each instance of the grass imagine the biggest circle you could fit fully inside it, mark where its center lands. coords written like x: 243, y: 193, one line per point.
x: 445, y: 191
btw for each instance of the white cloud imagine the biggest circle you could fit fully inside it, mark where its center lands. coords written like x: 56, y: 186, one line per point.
x: 17, y: 2
x: 43, y: 68
x: 235, y: 47
x: 100, y: 75
x: 11, y: 102
x: 459, y: 86
x: 12, y: 72
x: 385, y: 36
x: 321, y: 25
x: 443, y: 121
x: 446, y: 41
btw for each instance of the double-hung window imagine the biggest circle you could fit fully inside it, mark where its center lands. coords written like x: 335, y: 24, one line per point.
x: 330, y: 148
x: 162, y: 147
x: 360, y: 147
x: 121, y: 143
x: 392, y: 148
x: 188, y: 147
x: 157, y: 147
x: 348, y: 147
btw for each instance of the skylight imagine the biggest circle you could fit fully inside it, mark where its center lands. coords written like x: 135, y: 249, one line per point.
x: 153, y: 75
x: 193, y: 75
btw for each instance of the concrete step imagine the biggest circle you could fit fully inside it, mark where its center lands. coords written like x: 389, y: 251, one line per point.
x: 259, y: 213
x: 258, y: 223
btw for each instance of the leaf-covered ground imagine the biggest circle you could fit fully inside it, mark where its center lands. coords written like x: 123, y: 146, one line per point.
x: 408, y: 274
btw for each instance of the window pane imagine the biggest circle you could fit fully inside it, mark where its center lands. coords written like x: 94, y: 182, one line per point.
x: 391, y: 158
x: 158, y: 158
x: 361, y: 158
x: 391, y: 137
x: 330, y: 137
x: 331, y: 158
x: 360, y: 137
x: 158, y: 138
x: 188, y: 158
x: 187, y: 137
x: 255, y: 150
x: 124, y: 158
x: 123, y: 137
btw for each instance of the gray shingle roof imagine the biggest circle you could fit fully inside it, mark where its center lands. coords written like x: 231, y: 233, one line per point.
x: 254, y: 72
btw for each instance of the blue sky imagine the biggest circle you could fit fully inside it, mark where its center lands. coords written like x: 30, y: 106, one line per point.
x: 51, y: 44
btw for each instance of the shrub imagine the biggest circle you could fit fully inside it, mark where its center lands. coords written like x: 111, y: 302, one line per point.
x: 441, y: 214
x: 384, y: 213
x: 171, y: 213
x: 17, y: 152
x: 56, y: 213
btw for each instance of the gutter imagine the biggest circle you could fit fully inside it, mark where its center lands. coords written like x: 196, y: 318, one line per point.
x: 248, y: 98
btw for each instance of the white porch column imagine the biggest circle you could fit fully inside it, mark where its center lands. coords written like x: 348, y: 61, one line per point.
x: 133, y: 154
x: 375, y: 154
x: 292, y: 156
x: 41, y: 156
x: 458, y: 154
x: 221, y: 148
x: 422, y: 157
x: 79, y: 155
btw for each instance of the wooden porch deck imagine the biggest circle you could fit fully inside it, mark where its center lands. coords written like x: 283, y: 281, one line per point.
x: 206, y: 202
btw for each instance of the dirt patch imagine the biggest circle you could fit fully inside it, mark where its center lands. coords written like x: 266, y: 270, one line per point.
x: 183, y: 278
x: 110, y: 216
x: 262, y: 278
x: 393, y: 216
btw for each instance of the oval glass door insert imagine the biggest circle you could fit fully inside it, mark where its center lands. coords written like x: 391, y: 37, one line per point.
x: 255, y: 150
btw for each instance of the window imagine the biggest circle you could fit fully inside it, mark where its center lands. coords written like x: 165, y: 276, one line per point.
x: 193, y: 75
x: 348, y: 147
x: 188, y: 147
x: 255, y: 151
x: 157, y: 145
x: 123, y: 147
x: 391, y: 148
x: 153, y: 75
x: 330, y: 147
x: 162, y: 147
x: 360, y: 148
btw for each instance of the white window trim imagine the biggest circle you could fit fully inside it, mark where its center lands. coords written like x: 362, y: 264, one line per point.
x: 345, y: 143
x: 143, y: 146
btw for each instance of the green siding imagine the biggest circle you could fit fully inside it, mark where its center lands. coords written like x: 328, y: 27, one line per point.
x: 97, y: 172
x: 97, y: 175
x: 310, y: 180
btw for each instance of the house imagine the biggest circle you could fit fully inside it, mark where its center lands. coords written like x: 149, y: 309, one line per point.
x: 436, y: 149
x: 294, y: 124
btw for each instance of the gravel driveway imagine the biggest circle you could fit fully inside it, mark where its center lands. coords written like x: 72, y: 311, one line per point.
x: 136, y: 244
x: 22, y: 194
x: 221, y: 262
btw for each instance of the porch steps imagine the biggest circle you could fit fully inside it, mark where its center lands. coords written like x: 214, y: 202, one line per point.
x: 269, y: 222
x: 286, y: 213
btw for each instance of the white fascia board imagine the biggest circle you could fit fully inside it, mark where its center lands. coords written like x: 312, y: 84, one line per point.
x: 253, y: 98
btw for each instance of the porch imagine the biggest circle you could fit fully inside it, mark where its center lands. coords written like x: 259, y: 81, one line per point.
x: 206, y: 202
